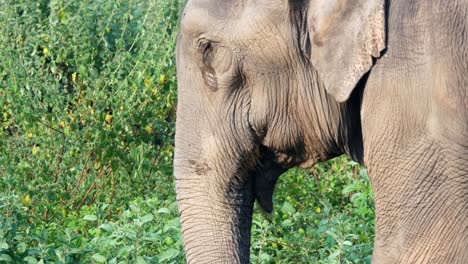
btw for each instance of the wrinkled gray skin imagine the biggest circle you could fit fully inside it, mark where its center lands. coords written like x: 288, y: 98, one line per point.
x: 265, y: 85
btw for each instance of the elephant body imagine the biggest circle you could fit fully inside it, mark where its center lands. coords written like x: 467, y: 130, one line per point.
x: 416, y: 150
x: 268, y: 85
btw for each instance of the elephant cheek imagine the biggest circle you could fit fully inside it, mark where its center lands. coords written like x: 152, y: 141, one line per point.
x: 264, y: 185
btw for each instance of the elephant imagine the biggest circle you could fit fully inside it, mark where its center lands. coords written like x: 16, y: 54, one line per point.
x: 266, y: 85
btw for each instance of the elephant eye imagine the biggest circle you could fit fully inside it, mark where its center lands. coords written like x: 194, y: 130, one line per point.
x: 205, y: 49
x: 209, y: 74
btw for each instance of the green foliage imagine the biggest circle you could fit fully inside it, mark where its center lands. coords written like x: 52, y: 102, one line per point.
x: 145, y: 231
x: 87, y: 103
x: 87, y: 96
x: 326, y: 218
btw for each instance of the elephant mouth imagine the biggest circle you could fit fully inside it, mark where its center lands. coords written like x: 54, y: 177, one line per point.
x: 265, y: 178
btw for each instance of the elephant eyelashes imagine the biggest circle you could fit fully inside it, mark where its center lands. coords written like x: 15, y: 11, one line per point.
x: 209, y: 77
x: 208, y: 73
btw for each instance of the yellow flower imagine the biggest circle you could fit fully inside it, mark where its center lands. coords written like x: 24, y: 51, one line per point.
x: 162, y: 78
x: 149, y: 129
x: 45, y: 37
x: 20, y: 40
x: 35, y: 150
x: 27, y: 200
x: 62, y: 16
x: 147, y: 82
x: 30, y: 135
x: 318, y: 210
x: 45, y: 51
x: 74, y: 78
x: 108, y: 118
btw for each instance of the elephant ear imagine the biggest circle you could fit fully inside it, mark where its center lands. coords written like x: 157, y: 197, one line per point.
x: 342, y: 37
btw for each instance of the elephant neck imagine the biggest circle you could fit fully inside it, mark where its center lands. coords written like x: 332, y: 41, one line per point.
x: 336, y: 126
x: 349, y: 133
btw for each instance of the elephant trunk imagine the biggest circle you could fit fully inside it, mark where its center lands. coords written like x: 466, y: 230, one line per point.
x: 215, y: 210
x: 213, y: 163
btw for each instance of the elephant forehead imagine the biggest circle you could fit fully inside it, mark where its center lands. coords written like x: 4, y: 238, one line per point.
x: 224, y: 18
x: 199, y: 18
x: 215, y: 8
x: 226, y: 8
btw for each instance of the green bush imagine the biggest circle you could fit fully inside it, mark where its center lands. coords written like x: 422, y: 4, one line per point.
x: 322, y: 216
x: 87, y: 103
x: 87, y: 93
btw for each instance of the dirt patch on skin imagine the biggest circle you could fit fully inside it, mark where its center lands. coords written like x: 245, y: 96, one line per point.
x: 199, y: 168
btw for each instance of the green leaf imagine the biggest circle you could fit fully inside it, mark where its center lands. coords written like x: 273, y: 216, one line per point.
x: 140, y: 260
x: 164, y: 211
x: 124, y: 251
x: 4, y: 245
x: 21, y: 247
x: 168, y: 255
x: 5, y: 258
x: 332, y: 234
x: 265, y: 257
x: 333, y: 255
x: 347, y: 243
x: 288, y: 208
x: 171, y: 224
x: 363, y: 174
x: 134, y: 208
x: 115, y: 165
x: 153, y: 237
x: 90, y: 218
x: 146, y: 218
x: 356, y: 196
x: 107, y: 227
x: 349, y: 188
x: 287, y: 223
x: 99, y: 258
x: 321, y: 229
x: 30, y: 260
x: 330, y: 242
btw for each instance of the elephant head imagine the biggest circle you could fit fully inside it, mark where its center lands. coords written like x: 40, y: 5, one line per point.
x: 264, y: 85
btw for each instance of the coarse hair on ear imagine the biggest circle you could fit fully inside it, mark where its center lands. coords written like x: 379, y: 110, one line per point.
x: 339, y: 38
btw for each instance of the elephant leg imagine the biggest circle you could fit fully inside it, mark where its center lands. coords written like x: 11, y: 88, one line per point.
x: 421, y: 204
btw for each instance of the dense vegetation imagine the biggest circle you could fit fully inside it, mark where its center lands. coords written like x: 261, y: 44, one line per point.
x: 87, y: 103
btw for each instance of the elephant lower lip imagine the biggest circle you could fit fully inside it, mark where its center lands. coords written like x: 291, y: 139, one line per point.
x: 265, y: 180
x: 266, y: 202
x: 267, y: 215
